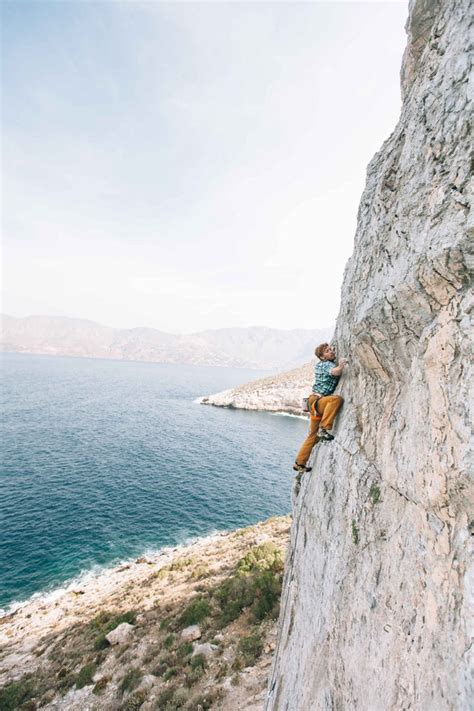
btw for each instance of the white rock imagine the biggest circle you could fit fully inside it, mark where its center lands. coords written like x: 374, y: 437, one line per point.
x: 121, y: 634
x: 206, y: 649
x: 189, y: 634
x: 147, y: 682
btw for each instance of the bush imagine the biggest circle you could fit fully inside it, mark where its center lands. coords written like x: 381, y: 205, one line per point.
x: 374, y: 493
x: 84, y: 678
x: 194, y: 675
x: 16, y: 694
x: 266, y: 556
x: 108, y: 621
x: 168, y: 641
x: 180, y: 697
x: 105, y: 622
x: 223, y: 670
x: 165, y: 698
x: 256, y: 584
x: 100, y: 685
x: 199, y: 660
x: 131, y: 680
x: 134, y: 701
x: 206, y: 701
x: 196, y: 611
x: 200, y: 572
x: 250, y: 648
x: 184, y: 650
x: 267, y: 590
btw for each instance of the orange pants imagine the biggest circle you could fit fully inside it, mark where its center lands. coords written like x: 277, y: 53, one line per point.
x: 324, y: 416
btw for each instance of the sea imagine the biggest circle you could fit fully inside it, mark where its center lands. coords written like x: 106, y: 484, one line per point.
x: 103, y: 461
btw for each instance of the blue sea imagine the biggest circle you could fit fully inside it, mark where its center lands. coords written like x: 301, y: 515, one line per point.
x: 104, y: 460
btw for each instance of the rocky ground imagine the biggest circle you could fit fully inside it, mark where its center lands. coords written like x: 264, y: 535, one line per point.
x: 276, y: 393
x: 191, y: 628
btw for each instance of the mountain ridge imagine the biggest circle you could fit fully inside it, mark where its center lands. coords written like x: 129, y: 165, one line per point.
x: 246, y: 347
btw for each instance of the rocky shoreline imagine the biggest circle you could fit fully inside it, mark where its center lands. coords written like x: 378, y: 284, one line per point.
x: 191, y: 627
x: 281, y: 393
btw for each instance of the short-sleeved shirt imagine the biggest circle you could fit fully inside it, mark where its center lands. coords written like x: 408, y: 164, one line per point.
x: 324, y: 382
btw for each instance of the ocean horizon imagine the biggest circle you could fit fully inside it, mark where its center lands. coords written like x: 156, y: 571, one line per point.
x: 104, y: 461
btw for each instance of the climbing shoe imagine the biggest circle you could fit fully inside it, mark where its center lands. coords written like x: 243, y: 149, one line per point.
x: 301, y: 468
x: 325, y: 435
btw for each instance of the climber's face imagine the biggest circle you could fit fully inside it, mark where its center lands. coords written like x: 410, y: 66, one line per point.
x: 329, y: 353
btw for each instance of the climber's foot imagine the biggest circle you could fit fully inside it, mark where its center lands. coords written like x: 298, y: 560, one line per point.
x: 301, y: 468
x: 325, y: 435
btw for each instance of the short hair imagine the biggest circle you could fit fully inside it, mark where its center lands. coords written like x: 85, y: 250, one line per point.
x: 319, y: 350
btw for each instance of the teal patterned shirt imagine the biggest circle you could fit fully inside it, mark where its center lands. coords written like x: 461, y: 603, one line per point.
x: 324, y: 382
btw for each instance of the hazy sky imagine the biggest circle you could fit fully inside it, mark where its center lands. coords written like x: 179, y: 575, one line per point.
x: 190, y: 165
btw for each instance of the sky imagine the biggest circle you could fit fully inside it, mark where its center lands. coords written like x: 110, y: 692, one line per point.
x: 186, y: 166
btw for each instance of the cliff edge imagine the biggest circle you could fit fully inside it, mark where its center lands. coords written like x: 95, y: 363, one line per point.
x: 377, y: 599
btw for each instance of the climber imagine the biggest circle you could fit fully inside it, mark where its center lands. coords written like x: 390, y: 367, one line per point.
x: 322, y: 404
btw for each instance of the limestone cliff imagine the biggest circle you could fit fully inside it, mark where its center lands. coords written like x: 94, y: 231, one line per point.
x: 376, y: 600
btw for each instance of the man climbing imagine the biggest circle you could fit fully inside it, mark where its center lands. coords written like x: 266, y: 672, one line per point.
x: 322, y: 404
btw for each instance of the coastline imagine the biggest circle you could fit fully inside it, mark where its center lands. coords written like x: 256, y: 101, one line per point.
x: 157, y: 581
x: 281, y: 413
x: 278, y: 394
x: 158, y: 556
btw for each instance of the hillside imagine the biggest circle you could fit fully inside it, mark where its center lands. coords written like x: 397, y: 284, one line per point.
x: 192, y: 627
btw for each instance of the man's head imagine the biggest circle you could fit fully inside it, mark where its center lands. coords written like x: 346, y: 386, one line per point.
x: 325, y: 352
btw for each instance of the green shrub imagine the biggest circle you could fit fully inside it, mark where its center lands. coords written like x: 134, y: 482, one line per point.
x: 151, y: 652
x: 160, y: 669
x: 14, y: 695
x: 105, y: 622
x: 266, y: 556
x: 194, y: 675
x: 184, y: 650
x: 100, y: 685
x: 222, y: 672
x: 267, y: 591
x: 200, y: 572
x: 181, y: 697
x: 131, y: 680
x: 108, y: 621
x: 257, y: 584
x: 84, y: 678
x: 166, y: 698
x: 206, y: 701
x: 374, y: 493
x: 199, y: 660
x: 250, y: 648
x: 100, y: 642
x: 168, y: 641
x: 170, y: 673
x: 135, y: 700
x: 196, y: 611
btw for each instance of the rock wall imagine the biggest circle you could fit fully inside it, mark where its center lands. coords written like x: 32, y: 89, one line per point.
x: 378, y: 589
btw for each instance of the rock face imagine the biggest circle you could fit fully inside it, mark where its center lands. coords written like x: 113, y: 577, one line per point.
x: 277, y: 393
x: 377, y: 597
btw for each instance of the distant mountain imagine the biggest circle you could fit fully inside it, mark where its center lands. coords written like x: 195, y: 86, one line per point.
x: 255, y: 347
